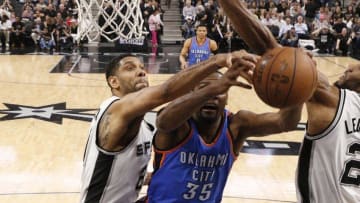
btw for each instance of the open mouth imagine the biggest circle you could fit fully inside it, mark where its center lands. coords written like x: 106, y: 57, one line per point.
x: 209, y: 107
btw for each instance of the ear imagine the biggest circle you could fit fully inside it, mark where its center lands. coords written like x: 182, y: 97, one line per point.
x: 113, y: 82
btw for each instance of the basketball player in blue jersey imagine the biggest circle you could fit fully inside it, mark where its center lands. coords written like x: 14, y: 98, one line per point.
x: 119, y: 143
x: 198, y: 140
x: 197, y: 49
x: 329, y: 162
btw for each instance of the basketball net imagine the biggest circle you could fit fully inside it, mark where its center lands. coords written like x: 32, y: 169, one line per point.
x: 113, y: 19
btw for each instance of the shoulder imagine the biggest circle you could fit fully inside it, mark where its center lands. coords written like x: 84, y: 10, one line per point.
x: 187, y: 42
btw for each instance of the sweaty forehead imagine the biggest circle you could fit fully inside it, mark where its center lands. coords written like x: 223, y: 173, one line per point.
x: 129, y: 59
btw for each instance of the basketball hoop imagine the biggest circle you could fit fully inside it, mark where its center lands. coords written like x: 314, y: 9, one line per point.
x: 113, y: 20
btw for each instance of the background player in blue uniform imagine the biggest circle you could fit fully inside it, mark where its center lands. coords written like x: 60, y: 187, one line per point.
x: 198, y: 140
x: 197, y: 49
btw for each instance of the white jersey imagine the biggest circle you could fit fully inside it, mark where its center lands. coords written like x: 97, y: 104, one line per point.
x: 115, y: 177
x: 329, y: 163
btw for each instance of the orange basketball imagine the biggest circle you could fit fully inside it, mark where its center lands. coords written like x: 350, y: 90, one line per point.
x: 285, y: 76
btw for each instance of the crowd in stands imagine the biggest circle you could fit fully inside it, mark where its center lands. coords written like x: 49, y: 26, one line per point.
x: 326, y: 26
x: 45, y: 24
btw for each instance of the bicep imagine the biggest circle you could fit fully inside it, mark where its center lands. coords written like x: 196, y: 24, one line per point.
x: 185, y: 49
x: 251, y: 124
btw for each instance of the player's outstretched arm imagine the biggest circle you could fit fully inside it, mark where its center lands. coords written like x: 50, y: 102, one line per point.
x: 257, y: 36
x: 246, y: 124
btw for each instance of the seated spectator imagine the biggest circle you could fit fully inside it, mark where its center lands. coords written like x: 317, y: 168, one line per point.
x: 339, y: 25
x: 64, y: 40
x: 17, y: 33
x: 47, y: 39
x: 37, y: 29
x: 201, y: 17
x: 324, y: 39
x: 285, y: 27
x: 188, y: 10
x: 188, y: 28
x: 301, y: 28
x: 27, y: 13
x: 337, y: 13
x: 290, y: 39
x: 342, y: 43
x: 39, y: 12
x: 41, y: 4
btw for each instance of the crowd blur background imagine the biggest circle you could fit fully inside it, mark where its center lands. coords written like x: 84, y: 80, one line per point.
x: 323, y: 26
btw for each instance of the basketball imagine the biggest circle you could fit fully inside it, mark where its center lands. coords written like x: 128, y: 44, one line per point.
x: 285, y: 76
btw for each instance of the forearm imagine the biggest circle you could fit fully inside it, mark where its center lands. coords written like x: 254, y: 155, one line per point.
x: 186, y: 79
x: 257, y: 36
x: 289, y: 118
x: 182, y: 59
x: 167, y: 122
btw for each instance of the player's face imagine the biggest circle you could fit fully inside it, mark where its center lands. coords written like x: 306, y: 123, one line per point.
x: 213, y: 108
x: 351, y: 78
x: 201, y: 32
x: 131, y: 74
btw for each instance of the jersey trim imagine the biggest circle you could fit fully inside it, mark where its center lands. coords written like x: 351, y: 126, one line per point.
x: 229, y: 137
x: 99, y: 177
x: 304, y: 169
x: 334, y: 122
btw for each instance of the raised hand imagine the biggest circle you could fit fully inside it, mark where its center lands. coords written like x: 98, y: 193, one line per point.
x: 244, y: 63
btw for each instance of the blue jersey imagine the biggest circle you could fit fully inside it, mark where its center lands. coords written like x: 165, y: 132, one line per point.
x: 193, y: 171
x: 198, y: 53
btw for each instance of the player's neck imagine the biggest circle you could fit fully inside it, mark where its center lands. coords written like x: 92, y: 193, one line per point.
x: 208, y: 130
x: 200, y: 40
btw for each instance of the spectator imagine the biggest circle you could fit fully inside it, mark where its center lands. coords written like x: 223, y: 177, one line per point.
x: 339, y: 25
x: 27, y: 13
x: 189, y: 10
x: 17, y: 33
x: 154, y: 27
x: 47, y: 40
x: 290, y: 38
x: 342, y: 43
x: 356, y: 39
x: 301, y: 28
x: 285, y: 27
x: 64, y: 40
x: 5, y: 27
x: 324, y: 39
x: 282, y: 7
x: 201, y: 17
x: 188, y: 28
x: 37, y: 29
x: 310, y: 8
